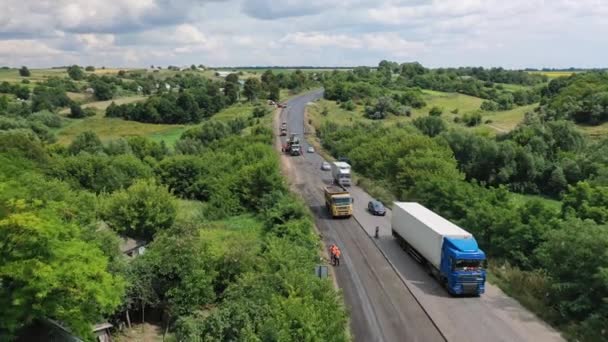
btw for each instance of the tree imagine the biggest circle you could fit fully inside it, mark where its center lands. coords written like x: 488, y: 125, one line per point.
x: 90, y: 68
x: 435, y: 111
x: 574, y: 256
x: 103, y: 90
x: 76, y: 111
x: 430, y: 125
x: 22, y: 93
x: 232, y: 78
x: 140, y: 211
x: 76, y: 73
x: 231, y: 91
x: 86, y: 142
x: 252, y: 89
x: 71, y: 283
x: 24, y: 72
x: 274, y: 93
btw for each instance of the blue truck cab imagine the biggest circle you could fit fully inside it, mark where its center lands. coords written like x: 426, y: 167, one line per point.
x: 463, y: 266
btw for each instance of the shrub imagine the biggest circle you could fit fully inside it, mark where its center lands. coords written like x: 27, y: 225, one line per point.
x: 47, y: 118
x: 436, y: 111
x: 472, y: 119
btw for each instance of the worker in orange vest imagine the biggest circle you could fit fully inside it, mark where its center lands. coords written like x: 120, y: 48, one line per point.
x: 332, y: 253
x: 337, y: 256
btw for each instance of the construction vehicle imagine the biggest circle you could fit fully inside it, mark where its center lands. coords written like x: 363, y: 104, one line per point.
x: 292, y: 146
x: 449, y: 252
x: 341, y: 173
x: 338, y: 201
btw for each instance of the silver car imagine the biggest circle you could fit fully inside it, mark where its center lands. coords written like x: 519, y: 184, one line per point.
x: 310, y: 149
x: 325, y: 166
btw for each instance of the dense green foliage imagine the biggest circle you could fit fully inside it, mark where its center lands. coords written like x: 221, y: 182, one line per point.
x: 236, y: 265
x: 580, y: 97
x: 140, y: 211
x: 450, y: 174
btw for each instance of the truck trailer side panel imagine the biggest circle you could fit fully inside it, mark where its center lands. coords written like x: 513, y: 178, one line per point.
x: 424, y: 230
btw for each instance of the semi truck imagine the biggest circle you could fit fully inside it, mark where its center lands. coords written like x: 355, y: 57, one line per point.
x: 450, y: 252
x: 338, y: 201
x: 340, y: 171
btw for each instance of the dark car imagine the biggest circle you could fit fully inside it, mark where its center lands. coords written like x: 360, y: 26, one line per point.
x: 376, y: 208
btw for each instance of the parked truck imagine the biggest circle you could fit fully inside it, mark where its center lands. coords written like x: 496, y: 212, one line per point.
x: 292, y: 146
x: 340, y: 171
x: 338, y: 201
x: 450, y: 252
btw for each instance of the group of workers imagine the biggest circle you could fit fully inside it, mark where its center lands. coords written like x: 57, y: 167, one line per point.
x: 334, y: 252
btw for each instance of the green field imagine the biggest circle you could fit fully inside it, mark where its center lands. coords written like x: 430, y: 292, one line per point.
x: 554, y: 74
x: 113, y: 128
x: 501, y: 121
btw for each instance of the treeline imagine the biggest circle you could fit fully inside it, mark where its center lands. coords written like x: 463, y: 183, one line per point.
x: 534, y: 158
x: 404, y: 81
x: 581, y: 97
x: 235, y: 266
x: 555, y: 257
x: 198, y: 97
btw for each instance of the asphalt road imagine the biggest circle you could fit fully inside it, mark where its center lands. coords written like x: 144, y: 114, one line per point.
x: 390, y: 297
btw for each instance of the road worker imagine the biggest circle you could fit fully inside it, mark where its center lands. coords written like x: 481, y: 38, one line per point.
x: 337, y: 256
x: 332, y: 253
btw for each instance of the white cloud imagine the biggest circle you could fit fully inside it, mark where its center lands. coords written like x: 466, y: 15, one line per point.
x: 25, y: 48
x: 516, y: 33
x: 319, y: 40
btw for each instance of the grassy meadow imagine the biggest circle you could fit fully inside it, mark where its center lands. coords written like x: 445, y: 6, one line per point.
x: 492, y: 122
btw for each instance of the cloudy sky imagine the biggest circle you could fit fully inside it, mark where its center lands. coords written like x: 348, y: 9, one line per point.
x: 508, y: 33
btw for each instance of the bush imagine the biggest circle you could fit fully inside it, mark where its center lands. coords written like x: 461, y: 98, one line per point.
x: 76, y: 111
x: 90, y: 68
x: 430, y: 125
x: 260, y: 111
x: 348, y: 105
x: 47, y: 118
x: 489, y: 106
x: 472, y: 119
x: 436, y: 111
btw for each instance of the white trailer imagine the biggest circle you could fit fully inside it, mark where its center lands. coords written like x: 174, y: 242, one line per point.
x: 340, y: 171
x: 424, y: 230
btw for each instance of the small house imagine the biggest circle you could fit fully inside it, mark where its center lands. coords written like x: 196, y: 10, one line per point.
x: 131, y: 247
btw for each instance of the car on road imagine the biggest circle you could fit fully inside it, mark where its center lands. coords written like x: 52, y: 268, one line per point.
x: 310, y: 149
x: 376, y: 207
x: 284, y: 125
x: 283, y: 132
x: 325, y: 166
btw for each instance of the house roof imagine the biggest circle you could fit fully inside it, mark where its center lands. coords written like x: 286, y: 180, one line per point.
x: 128, y: 244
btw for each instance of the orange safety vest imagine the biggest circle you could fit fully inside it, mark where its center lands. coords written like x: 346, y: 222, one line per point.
x: 337, y: 252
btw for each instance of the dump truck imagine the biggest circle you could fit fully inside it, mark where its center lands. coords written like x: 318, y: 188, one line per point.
x: 338, y: 201
x: 450, y: 252
x: 340, y: 171
x: 292, y: 146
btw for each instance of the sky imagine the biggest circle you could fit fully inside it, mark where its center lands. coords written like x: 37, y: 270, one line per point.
x: 436, y: 33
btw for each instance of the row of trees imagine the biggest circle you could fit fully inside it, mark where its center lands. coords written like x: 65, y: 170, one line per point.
x: 562, y: 249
